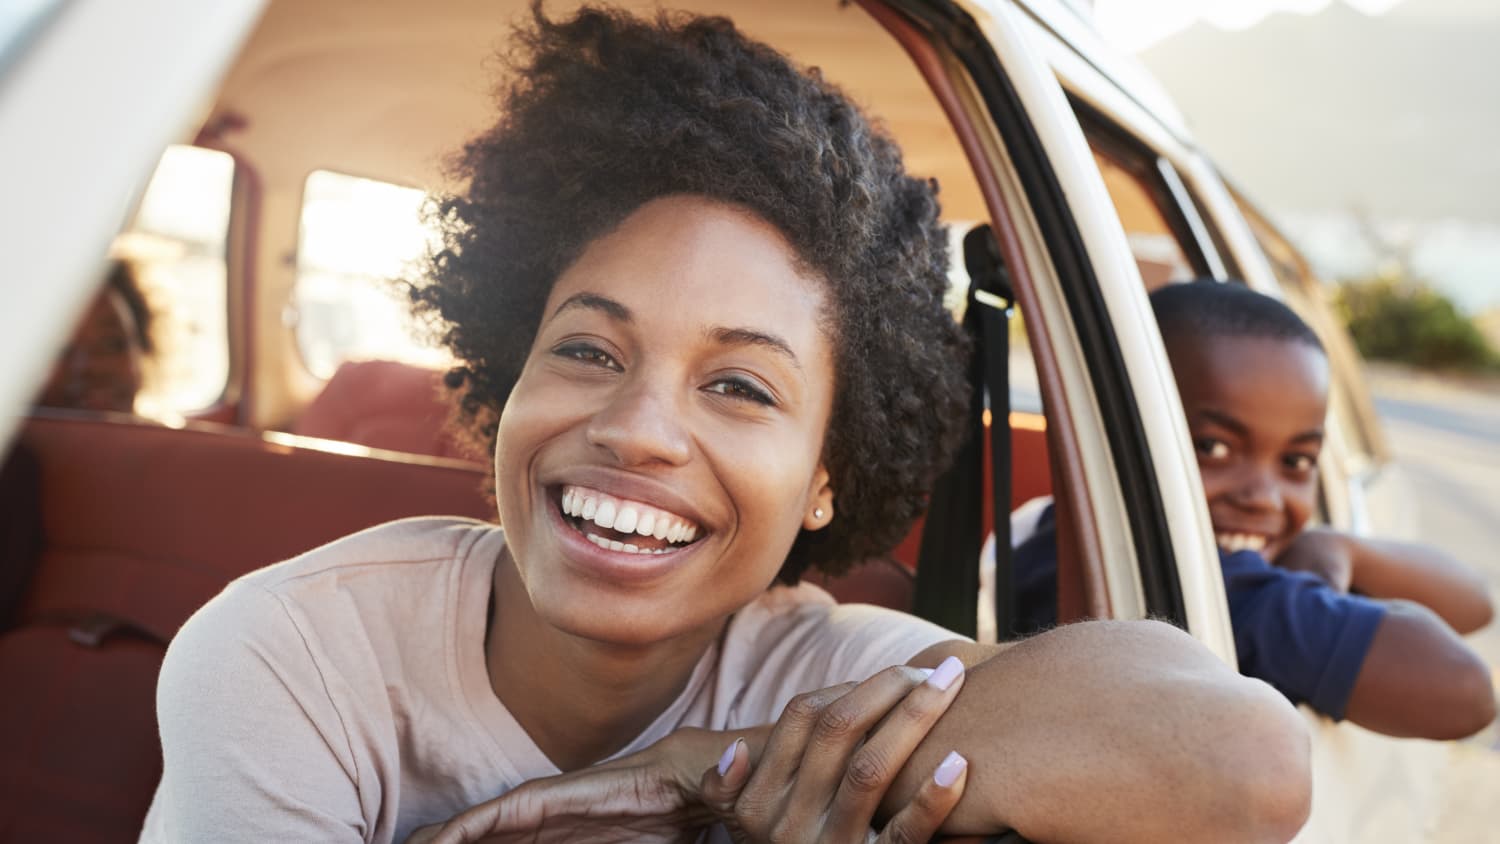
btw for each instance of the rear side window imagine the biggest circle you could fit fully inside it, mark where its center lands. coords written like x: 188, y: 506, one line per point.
x: 1159, y: 231
x: 178, y: 242
x: 356, y: 237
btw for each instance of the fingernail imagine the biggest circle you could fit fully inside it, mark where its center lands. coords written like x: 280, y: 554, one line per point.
x: 946, y: 672
x: 926, y: 672
x: 947, y: 773
x: 728, y: 758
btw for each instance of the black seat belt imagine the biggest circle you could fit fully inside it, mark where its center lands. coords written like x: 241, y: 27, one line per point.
x: 947, y: 588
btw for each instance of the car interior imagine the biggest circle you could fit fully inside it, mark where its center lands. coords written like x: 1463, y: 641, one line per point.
x: 292, y: 403
x: 270, y: 426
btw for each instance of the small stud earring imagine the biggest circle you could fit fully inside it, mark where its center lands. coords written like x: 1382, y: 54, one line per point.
x: 817, y: 512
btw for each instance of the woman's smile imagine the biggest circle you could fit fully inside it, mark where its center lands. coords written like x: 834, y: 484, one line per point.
x: 620, y: 524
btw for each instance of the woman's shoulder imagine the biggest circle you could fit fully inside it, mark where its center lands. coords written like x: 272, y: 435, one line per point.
x: 395, y: 548
x: 794, y: 639
x: 379, y: 579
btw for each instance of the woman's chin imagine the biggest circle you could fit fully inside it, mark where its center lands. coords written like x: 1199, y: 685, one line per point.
x: 627, y: 621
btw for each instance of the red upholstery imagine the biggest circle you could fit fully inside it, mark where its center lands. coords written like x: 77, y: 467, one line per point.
x: 1030, y: 471
x: 146, y: 523
x: 888, y: 581
x: 382, y: 404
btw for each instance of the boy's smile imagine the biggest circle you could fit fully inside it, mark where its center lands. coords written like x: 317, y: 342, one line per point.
x: 1255, y: 409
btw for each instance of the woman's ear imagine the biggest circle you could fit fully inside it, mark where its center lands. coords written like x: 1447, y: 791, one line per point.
x: 819, y: 501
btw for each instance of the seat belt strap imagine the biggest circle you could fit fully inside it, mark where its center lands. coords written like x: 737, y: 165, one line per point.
x: 947, y: 587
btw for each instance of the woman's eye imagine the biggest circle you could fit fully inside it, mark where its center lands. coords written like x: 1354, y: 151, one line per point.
x: 1212, y: 448
x: 741, y: 388
x: 587, y: 354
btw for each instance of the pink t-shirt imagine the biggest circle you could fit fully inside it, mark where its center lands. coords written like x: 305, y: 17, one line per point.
x: 343, y: 695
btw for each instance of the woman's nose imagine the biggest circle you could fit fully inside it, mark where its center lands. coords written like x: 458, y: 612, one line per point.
x: 641, y: 425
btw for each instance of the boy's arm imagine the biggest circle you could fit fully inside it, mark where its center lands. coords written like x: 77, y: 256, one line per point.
x: 1424, y: 574
x: 1115, y: 731
x: 1391, y: 666
x: 1394, y: 570
x: 1420, y: 680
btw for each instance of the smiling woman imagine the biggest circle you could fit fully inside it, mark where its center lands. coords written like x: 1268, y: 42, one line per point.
x: 697, y: 306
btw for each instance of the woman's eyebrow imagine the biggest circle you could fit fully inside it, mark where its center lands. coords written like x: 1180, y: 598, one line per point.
x: 595, y: 302
x: 751, y: 337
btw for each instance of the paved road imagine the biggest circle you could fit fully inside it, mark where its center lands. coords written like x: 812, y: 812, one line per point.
x: 1447, y: 442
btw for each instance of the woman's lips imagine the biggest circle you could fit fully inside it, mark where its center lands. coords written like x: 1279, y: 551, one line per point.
x: 608, y: 553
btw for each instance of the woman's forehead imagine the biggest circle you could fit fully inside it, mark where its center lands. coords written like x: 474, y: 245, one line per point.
x: 692, y: 260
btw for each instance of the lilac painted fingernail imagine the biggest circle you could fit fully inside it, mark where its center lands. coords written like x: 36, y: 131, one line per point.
x: 946, y: 672
x: 728, y: 758
x: 926, y: 672
x: 947, y: 773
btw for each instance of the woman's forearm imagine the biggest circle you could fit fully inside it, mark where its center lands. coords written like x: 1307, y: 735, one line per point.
x: 1117, y: 731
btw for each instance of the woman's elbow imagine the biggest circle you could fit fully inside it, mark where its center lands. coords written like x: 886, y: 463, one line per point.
x: 1273, y: 763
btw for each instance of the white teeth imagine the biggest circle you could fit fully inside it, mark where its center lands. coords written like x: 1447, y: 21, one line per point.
x: 605, y: 516
x: 627, y: 516
x: 1232, y: 542
x: 616, y: 546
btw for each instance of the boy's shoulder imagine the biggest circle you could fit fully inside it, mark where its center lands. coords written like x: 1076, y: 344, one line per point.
x: 1296, y: 632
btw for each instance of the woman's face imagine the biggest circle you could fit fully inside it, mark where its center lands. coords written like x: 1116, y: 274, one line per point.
x: 662, y: 447
x: 100, y: 368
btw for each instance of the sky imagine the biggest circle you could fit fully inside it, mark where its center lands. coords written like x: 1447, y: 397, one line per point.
x: 1134, y: 25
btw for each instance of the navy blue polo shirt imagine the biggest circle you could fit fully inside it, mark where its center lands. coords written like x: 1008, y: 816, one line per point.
x: 1291, y: 629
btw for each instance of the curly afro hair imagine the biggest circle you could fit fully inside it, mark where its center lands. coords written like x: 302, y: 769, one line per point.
x: 605, y: 112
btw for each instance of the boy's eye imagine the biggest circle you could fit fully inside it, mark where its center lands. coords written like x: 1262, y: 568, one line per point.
x: 1301, y: 463
x: 1214, y: 449
x: 742, y: 389
x: 587, y: 353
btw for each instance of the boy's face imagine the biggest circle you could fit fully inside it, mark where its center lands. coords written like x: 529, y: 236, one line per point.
x: 1255, y: 409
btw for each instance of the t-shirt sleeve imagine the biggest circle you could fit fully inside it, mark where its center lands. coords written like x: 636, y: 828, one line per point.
x: 253, y: 748
x: 1295, y: 632
x: 806, y: 642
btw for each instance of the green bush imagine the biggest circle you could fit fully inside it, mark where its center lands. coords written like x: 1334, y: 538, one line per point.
x: 1398, y: 320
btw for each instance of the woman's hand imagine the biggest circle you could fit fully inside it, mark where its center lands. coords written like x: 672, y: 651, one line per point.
x: 832, y: 756
x: 650, y: 796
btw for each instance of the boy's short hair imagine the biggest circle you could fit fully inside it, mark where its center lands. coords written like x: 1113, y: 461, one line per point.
x: 1226, y: 309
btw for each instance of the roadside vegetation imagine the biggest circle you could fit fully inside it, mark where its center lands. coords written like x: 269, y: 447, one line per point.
x: 1394, y: 318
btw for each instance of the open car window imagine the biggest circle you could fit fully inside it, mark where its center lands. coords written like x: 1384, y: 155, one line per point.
x: 178, y: 242
x: 357, y: 237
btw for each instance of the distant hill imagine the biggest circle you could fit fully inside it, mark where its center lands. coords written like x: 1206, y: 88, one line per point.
x: 1398, y: 115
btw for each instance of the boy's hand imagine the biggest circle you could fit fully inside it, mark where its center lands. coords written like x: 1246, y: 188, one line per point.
x: 1323, y: 552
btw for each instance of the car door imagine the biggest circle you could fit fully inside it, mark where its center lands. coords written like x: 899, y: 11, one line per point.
x: 1366, y: 787
x: 77, y: 143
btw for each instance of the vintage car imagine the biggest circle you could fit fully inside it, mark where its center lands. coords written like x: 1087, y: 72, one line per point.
x: 263, y: 163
